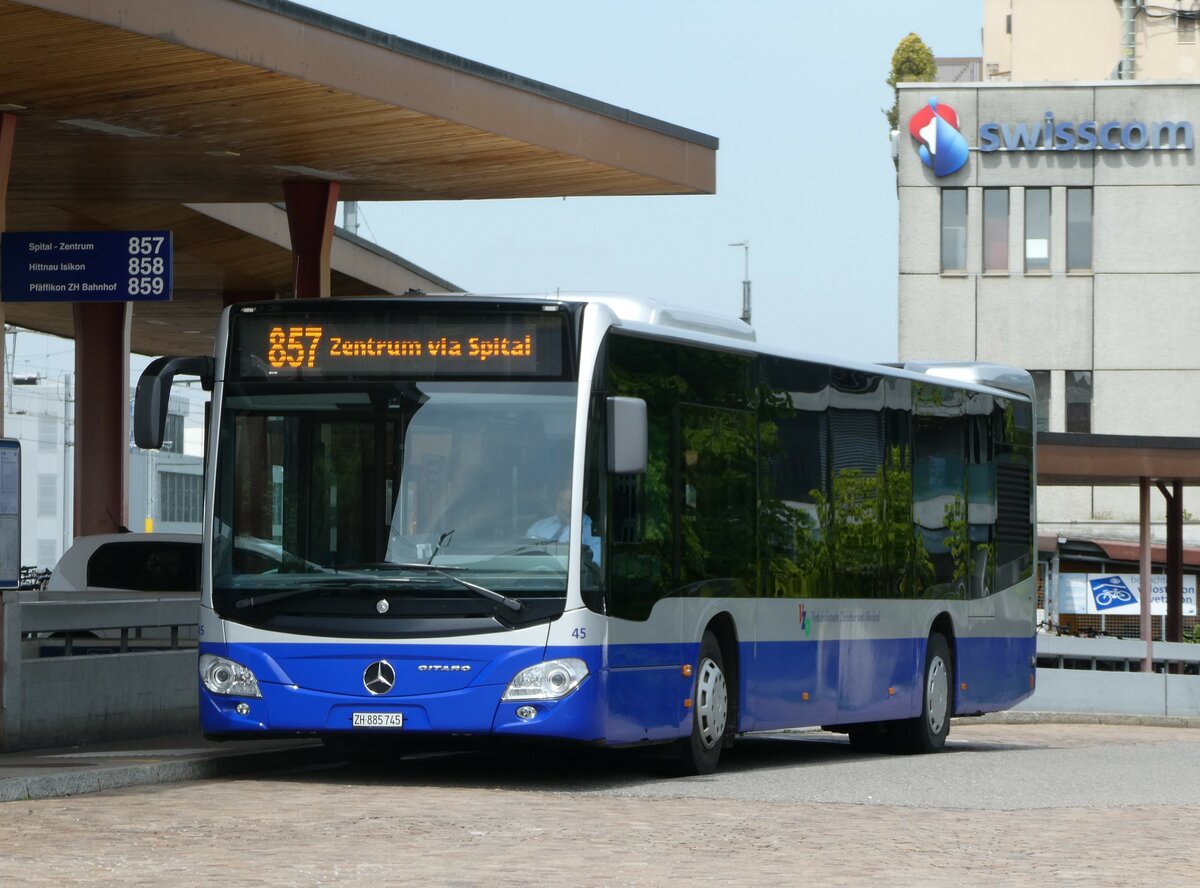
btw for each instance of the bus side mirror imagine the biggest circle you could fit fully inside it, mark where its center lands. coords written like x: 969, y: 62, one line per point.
x: 626, y: 436
x: 153, y: 395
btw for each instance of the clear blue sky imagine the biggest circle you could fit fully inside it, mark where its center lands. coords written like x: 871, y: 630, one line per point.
x: 794, y: 91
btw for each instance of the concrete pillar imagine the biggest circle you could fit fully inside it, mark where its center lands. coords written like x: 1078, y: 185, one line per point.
x: 311, y: 207
x: 101, y: 417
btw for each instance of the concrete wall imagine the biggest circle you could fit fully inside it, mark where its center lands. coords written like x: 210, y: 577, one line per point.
x: 65, y: 701
x: 1103, y: 691
x: 1115, y: 693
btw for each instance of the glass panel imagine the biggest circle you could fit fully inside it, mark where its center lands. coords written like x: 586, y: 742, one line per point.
x: 995, y: 229
x: 1041, y: 387
x: 794, y: 444
x: 718, y: 473
x: 1079, y: 401
x: 939, y: 492
x: 1079, y: 229
x: 981, y: 494
x: 1037, y: 229
x: 954, y: 229
x: 358, y: 490
x: 682, y: 528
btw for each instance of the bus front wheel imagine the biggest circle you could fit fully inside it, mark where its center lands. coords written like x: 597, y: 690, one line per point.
x: 700, y: 752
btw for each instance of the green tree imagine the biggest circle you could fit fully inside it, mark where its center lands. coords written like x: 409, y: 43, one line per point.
x: 912, y: 62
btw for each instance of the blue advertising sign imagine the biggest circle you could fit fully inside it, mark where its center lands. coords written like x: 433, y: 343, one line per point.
x: 85, y: 266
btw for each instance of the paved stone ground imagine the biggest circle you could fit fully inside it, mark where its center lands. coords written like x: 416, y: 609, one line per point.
x: 1032, y: 818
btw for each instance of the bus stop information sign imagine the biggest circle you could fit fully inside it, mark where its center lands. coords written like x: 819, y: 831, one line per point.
x: 85, y: 266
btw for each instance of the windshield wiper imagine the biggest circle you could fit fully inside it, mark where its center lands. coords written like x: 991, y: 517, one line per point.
x: 374, y: 584
x: 314, y: 591
x: 483, y: 591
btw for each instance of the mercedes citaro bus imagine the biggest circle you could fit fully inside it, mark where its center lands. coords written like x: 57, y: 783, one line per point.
x: 773, y: 540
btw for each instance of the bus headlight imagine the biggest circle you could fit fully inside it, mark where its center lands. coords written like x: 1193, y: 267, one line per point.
x: 223, y: 676
x: 550, y: 680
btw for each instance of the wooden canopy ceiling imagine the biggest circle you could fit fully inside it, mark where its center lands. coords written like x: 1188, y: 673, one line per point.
x: 128, y: 109
x: 1115, y: 460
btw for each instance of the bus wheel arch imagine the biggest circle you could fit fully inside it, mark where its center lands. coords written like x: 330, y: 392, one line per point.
x: 713, y: 703
x: 723, y: 629
x: 943, y: 625
x: 928, y: 731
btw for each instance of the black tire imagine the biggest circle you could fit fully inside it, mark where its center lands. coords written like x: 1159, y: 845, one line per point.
x: 928, y: 731
x: 700, y: 752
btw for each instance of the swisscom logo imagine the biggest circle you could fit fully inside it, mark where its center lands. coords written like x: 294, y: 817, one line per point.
x: 942, y: 146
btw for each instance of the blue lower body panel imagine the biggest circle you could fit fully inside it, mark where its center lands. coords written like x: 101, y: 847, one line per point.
x: 998, y: 673
x: 457, y: 689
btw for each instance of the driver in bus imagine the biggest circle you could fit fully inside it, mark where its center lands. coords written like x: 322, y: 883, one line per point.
x: 557, y: 527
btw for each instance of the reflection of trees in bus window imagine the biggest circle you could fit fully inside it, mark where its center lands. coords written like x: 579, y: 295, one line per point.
x: 717, y: 468
x: 981, y: 494
x: 684, y: 522
x: 794, y: 449
x: 939, y: 488
x: 838, y: 481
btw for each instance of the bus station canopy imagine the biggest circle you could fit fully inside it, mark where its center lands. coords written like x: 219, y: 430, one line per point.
x: 130, y: 112
x: 1115, y: 460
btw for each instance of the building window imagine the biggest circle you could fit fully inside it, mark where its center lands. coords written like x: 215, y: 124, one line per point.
x: 995, y: 229
x: 1079, y: 401
x: 1041, y: 396
x: 1037, y: 229
x: 954, y: 229
x: 47, y: 553
x: 1079, y: 229
x: 1185, y: 29
x: 181, y: 497
x: 47, y: 503
x: 173, y: 434
x: 48, y: 433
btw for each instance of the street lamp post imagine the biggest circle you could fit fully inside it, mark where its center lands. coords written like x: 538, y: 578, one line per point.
x: 745, y: 245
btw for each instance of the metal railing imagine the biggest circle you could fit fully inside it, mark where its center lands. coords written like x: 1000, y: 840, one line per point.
x: 121, y: 626
x: 1115, y: 654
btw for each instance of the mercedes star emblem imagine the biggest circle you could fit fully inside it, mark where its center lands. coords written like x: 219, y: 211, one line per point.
x: 382, y: 605
x: 379, y: 678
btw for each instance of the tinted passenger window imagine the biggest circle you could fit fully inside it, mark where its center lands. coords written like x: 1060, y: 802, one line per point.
x: 146, y: 566
x: 685, y: 527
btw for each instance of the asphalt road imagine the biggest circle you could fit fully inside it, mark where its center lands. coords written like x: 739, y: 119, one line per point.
x: 1040, y: 804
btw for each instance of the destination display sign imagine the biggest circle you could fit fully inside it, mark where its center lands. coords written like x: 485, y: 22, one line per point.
x: 422, y: 345
x: 85, y: 266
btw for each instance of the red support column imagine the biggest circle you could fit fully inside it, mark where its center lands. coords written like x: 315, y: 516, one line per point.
x: 310, y: 208
x: 1144, y: 552
x: 8, y: 125
x: 101, y: 417
x: 1174, y: 562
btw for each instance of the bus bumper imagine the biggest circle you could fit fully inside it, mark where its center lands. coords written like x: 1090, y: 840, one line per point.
x: 444, y: 704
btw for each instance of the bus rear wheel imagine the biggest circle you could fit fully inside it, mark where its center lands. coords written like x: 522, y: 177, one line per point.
x: 700, y: 752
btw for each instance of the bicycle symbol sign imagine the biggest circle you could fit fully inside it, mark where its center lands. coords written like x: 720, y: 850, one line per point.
x: 1110, y: 592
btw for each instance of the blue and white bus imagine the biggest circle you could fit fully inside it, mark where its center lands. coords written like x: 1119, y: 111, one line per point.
x: 740, y: 539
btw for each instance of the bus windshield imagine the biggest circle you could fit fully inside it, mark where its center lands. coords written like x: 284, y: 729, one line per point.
x: 401, y: 497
